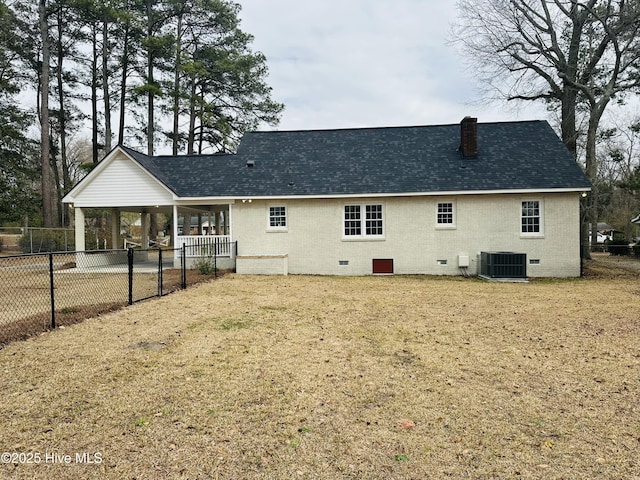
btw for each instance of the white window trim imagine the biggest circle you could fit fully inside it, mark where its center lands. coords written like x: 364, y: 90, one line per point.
x: 286, y: 218
x: 539, y: 234
x: 363, y: 222
x: 447, y: 226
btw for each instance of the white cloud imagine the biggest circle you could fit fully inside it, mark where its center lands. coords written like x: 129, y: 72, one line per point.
x: 353, y: 63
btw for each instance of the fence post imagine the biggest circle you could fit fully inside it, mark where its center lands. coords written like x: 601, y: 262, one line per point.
x: 130, y: 264
x: 159, y: 272
x: 51, y: 289
x: 183, y: 267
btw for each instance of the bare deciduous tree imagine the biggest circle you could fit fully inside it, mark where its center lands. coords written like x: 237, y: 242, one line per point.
x: 577, y: 56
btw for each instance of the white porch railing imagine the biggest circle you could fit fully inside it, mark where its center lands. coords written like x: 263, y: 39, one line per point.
x: 152, y: 243
x: 205, y: 245
x: 131, y: 244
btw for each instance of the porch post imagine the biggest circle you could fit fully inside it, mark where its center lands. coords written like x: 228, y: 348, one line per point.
x: 144, y: 224
x: 115, y: 228
x: 175, y: 227
x: 79, y: 229
x: 177, y: 256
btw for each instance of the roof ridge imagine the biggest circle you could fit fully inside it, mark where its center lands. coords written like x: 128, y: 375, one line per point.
x: 391, y: 127
x: 179, y: 156
x: 195, y: 155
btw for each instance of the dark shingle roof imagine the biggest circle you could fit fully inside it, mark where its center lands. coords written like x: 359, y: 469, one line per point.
x: 511, y: 156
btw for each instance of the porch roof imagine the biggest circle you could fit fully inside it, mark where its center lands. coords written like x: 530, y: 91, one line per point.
x: 512, y: 156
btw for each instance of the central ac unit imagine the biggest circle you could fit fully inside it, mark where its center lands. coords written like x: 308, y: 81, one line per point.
x: 503, y: 265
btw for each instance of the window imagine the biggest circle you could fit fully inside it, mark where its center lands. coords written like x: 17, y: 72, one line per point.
x: 352, y: 220
x: 445, y: 215
x: 277, y: 217
x: 370, y: 226
x: 374, y: 219
x: 530, y: 217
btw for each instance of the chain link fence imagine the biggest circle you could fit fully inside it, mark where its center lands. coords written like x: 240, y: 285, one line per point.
x: 37, y: 240
x: 39, y: 292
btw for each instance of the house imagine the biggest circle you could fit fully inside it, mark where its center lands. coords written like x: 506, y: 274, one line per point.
x: 636, y: 221
x: 403, y: 200
x: 604, y: 233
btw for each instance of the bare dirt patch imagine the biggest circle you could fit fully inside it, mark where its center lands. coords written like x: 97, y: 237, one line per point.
x: 319, y: 377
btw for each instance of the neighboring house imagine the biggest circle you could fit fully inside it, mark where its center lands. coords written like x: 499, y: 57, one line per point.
x: 605, y: 232
x: 404, y: 200
x: 636, y: 220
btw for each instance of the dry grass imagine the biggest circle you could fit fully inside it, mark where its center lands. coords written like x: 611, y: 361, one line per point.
x: 317, y: 377
x: 25, y: 289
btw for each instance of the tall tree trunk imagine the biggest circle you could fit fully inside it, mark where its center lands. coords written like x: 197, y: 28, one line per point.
x: 568, y: 127
x: 94, y: 91
x: 568, y: 119
x: 569, y: 91
x: 150, y: 82
x: 192, y: 117
x: 200, y: 116
x: 176, y: 87
x: 153, y: 223
x: 124, y: 63
x: 48, y: 196
x: 591, y: 164
x: 65, y: 185
x: 105, y: 86
x: 57, y: 214
x: 186, y: 224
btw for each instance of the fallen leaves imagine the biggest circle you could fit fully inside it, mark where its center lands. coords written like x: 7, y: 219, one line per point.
x: 406, y: 424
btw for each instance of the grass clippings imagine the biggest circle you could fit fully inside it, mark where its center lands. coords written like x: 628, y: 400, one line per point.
x: 332, y: 377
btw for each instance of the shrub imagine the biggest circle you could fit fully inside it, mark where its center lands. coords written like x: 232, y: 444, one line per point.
x: 206, y: 265
x: 636, y: 250
x: 1, y: 243
x: 618, y: 247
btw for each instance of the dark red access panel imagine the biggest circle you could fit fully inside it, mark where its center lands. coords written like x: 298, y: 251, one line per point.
x: 382, y: 265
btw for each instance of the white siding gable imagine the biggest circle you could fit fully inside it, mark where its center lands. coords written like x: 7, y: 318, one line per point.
x: 121, y: 183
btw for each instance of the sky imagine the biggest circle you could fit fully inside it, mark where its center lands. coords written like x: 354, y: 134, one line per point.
x: 368, y: 63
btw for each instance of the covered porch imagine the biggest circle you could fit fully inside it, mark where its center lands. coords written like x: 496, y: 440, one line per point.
x: 202, y: 230
x: 171, y: 207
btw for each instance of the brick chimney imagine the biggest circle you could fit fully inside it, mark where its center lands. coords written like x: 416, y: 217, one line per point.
x: 469, y: 137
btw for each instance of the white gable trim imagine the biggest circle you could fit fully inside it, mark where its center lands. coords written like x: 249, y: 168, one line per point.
x: 115, y: 154
x: 160, y: 193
